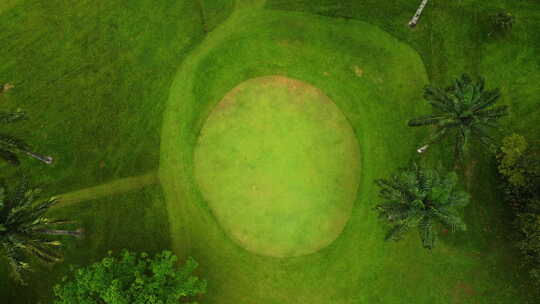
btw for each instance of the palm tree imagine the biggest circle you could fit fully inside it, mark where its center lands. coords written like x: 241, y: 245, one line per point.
x: 462, y: 110
x: 24, y: 229
x: 10, y: 145
x: 422, y: 198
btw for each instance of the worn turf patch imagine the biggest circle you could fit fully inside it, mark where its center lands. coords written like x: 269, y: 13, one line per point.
x: 278, y: 164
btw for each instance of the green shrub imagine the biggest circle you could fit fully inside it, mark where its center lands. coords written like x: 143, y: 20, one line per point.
x: 519, y: 165
x: 131, y: 279
x: 510, y: 157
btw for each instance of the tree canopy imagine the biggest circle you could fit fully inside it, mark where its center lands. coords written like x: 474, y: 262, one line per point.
x: 419, y: 197
x: 462, y: 111
x: 131, y: 278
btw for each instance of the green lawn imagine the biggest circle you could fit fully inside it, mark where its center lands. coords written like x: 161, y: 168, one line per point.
x: 100, y: 78
x: 290, y: 162
x: 94, y: 77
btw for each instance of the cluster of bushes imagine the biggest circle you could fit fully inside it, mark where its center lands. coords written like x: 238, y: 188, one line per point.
x: 519, y: 166
x: 131, y: 278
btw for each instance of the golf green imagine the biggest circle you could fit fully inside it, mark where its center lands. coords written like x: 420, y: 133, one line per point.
x: 278, y: 164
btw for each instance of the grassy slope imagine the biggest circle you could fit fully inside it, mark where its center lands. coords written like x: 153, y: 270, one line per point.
x: 447, y: 32
x: 477, y: 266
x: 93, y: 77
x: 358, y: 267
x: 290, y: 161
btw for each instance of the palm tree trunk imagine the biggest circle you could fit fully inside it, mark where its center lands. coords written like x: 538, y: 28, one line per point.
x: 422, y: 149
x: 77, y: 233
x: 46, y: 159
x: 418, y: 13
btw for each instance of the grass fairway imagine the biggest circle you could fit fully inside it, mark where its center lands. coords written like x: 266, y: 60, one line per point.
x: 117, y: 89
x: 373, y: 79
x: 278, y: 164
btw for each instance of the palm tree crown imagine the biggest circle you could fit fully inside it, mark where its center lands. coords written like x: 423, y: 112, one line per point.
x: 461, y: 110
x: 10, y: 145
x: 23, y: 229
x: 418, y: 197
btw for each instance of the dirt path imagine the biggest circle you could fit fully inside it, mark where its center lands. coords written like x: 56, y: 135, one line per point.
x: 115, y: 187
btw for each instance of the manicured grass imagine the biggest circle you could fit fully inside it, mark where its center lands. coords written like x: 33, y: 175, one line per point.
x: 377, y: 104
x: 289, y: 161
x: 472, y: 267
x: 94, y: 77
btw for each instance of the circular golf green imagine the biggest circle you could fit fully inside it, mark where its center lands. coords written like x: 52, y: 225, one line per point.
x: 278, y: 164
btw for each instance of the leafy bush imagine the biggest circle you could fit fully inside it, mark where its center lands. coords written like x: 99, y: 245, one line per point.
x: 519, y: 165
x: 131, y: 279
x: 512, y: 150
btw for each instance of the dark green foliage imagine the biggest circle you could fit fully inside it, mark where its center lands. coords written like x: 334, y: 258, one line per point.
x: 23, y: 229
x: 519, y: 165
x: 131, y: 279
x: 419, y: 197
x: 461, y: 111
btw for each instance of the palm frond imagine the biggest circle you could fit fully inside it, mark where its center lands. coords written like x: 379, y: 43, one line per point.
x: 10, y: 157
x: 12, y: 143
x: 43, y: 252
x: 458, y: 199
x: 396, y: 232
x: 462, y: 139
x: 2, y: 197
x: 482, y: 135
x: 15, y: 259
x: 452, y: 221
x: 494, y: 113
x: 437, y: 135
x: 427, y: 235
x: 10, y: 117
x: 487, y: 99
x: 438, y: 99
x: 392, y: 211
x: 426, y: 120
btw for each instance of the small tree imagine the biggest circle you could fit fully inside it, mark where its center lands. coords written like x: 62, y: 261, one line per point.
x: 24, y: 229
x: 421, y: 198
x: 461, y: 111
x: 131, y: 279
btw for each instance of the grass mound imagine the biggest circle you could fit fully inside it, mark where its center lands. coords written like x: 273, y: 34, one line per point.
x: 278, y: 164
x: 373, y: 79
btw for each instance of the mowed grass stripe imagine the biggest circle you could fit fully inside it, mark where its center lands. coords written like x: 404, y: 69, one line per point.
x: 112, y: 188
